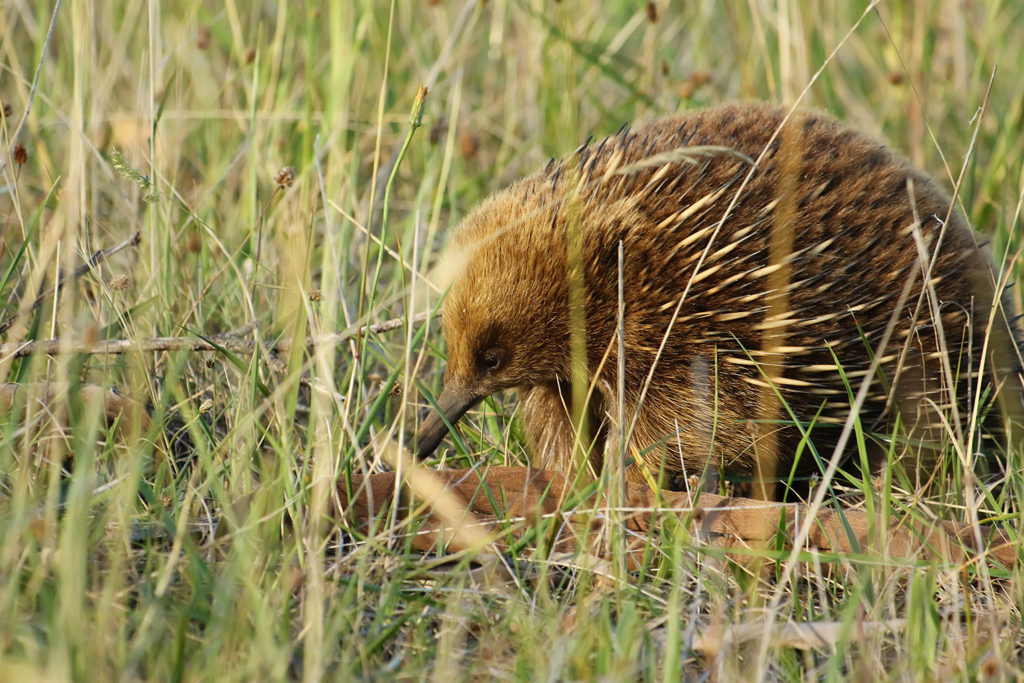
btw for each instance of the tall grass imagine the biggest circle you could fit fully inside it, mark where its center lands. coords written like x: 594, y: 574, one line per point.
x: 118, y: 560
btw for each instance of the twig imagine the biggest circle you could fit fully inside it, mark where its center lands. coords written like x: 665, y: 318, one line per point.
x: 808, y: 635
x: 96, y: 259
x: 229, y: 342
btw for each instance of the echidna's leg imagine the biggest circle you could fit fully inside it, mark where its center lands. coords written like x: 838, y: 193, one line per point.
x: 1005, y: 422
x: 549, y: 430
x: 924, y: 398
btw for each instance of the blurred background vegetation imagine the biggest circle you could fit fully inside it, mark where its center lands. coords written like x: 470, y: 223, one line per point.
x: 175, y: 118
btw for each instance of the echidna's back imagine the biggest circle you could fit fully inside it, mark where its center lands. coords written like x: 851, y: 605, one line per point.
x: 784, y: 282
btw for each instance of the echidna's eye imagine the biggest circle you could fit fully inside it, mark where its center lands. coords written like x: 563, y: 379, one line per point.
x: 491, y: 359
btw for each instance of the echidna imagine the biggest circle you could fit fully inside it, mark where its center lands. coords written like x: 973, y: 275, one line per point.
x: 769, y: 257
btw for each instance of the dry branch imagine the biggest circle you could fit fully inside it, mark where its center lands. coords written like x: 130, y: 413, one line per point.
x: 507, y: 501
x: 94, y: 260
x: 230, y: 343
x: 800, y: 636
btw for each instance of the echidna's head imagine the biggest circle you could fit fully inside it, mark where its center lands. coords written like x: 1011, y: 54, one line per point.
x: 505, y: 314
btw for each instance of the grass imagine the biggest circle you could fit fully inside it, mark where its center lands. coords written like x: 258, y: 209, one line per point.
x: 109, y: 565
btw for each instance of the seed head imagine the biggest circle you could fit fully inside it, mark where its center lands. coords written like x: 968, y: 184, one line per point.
x: 119, y: 283
x: 285, y: 177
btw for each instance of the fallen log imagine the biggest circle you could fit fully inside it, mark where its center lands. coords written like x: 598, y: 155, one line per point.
x: 473, y: 509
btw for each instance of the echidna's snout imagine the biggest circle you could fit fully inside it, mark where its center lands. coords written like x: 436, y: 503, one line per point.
x: 452, y: 404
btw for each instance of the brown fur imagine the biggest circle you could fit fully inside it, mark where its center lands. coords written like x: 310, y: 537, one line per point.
x: 754, y: 325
